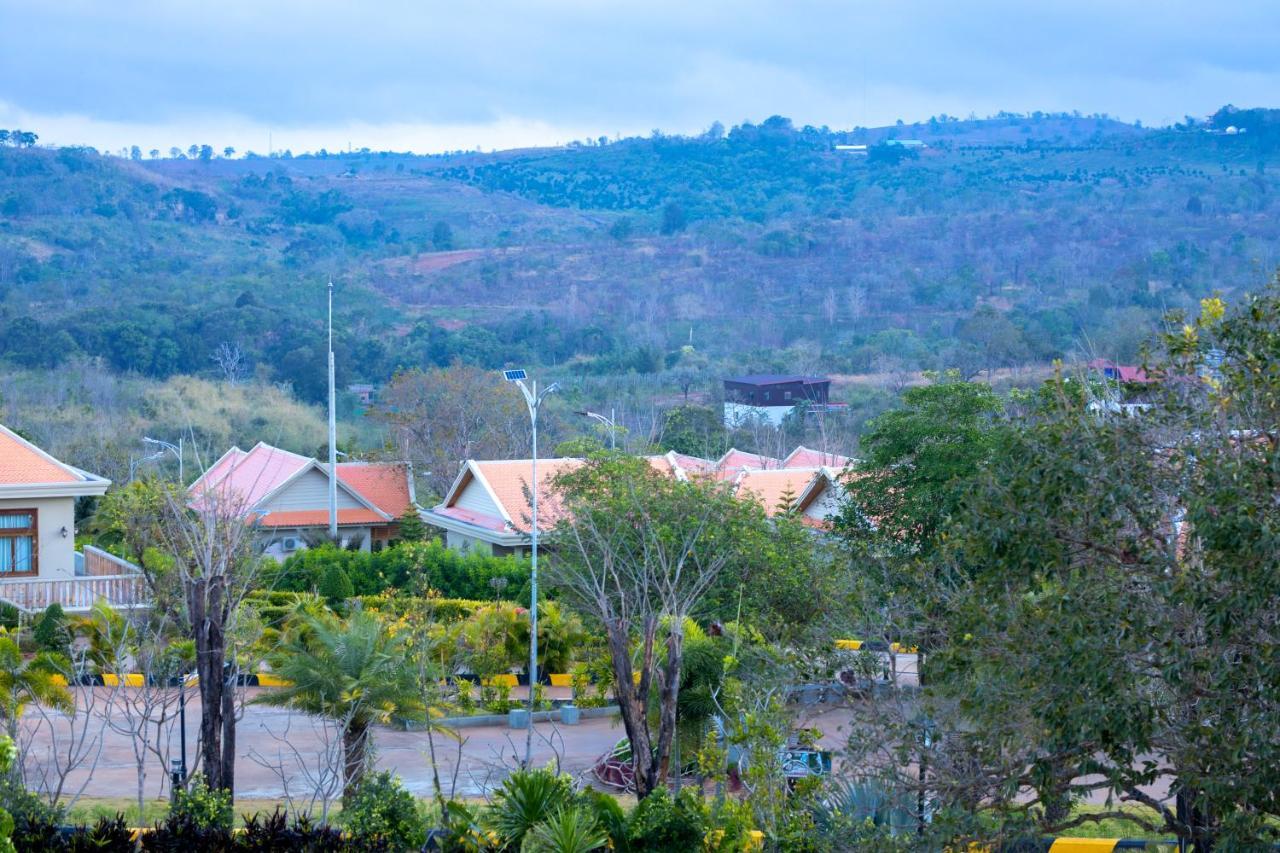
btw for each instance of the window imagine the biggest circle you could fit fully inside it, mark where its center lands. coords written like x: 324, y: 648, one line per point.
x: 18, y: 542
x: 786, y: 395
x: 766, y: 396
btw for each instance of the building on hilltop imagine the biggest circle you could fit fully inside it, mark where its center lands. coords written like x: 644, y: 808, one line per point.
x: 771, y: 397
x: 286, y: 496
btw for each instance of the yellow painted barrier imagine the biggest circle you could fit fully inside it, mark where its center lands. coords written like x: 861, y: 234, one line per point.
x: 561, y: 679
x: 506, y: 679
x: 1084, y: 845
x: 855, y: 645
x: 129, y: 679
x: 266, y: 679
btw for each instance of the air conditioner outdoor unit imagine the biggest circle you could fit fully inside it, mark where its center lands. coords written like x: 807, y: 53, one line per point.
x: 291, y: 544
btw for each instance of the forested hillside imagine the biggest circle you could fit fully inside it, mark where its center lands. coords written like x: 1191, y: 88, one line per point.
x: 1005, y: 241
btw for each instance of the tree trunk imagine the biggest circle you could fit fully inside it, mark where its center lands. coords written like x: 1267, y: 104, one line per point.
x: 631, y: 703
x: 355, y: 737
x: 217, y: 709
x: 668, y: 694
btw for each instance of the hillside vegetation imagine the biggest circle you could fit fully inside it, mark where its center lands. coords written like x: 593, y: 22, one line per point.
x: 1006, y: 241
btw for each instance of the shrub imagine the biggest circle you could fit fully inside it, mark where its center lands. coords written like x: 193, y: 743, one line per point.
x: 335, y: 587
x: 662, y: 822
x: 111, y: 834
x: 205, y: 807
x: 608, y: 814
x: 51, y: 633
x: 382, y: 814
x: 410, y: 567
x: 527, y: 798
x: 181, y: 832
x: 496, y: 639
x: 35, y: 822
x: 570, y: 830
x: 275, y: 833
x: 9, y: 616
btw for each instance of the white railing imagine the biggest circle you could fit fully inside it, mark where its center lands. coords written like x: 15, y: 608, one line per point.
x: 75, y: 594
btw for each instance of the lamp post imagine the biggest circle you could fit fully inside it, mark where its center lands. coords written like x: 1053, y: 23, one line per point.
x: 175, y: 449
x: 610, y: 423
x: 533, y: 399
x: 134, y: 464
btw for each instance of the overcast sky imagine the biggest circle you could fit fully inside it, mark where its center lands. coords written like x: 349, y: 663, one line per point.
x: 430, y: 76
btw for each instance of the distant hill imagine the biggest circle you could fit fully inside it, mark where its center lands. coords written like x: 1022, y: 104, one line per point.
x: 1003, y: 241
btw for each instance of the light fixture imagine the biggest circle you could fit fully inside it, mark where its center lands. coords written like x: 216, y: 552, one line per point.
x: 64, y: 531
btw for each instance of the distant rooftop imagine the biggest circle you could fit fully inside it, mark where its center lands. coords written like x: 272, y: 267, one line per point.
x: 775, y: 379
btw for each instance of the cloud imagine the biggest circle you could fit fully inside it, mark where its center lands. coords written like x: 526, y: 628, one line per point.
x: 502, y: 73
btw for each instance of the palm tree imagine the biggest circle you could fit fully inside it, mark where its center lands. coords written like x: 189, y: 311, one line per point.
x: 354, y: 672
x: 25, y: 681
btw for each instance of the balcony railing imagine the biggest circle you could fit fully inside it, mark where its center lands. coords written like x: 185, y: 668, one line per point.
x: 75, y: 594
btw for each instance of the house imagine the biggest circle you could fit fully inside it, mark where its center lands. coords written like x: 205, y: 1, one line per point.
x: 38, y: 561
x: 805, y: 457
x: 286, y: 496
x: 813, y: 493
x: 363, y: 392
x: 488, y: 506
x: 1119, y: 372
x: 771, y: 397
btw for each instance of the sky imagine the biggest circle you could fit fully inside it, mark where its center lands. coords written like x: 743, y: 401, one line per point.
x: 430, y: 76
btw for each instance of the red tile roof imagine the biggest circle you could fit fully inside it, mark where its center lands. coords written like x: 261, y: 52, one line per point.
x: 383, y: 484
x: 247, y: 478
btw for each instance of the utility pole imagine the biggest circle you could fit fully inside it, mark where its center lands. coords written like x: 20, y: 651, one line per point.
x: 533, y: 399
x: 333, y: 433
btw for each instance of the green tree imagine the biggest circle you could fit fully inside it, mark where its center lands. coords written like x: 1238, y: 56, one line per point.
x: 442, y: 236
x: 412, y: 528
x: 24, y: 681
x: 695, y: 430
x: 638, y: 551
x: 917, y: 463
x: 674, y: 219
x: 354, y: 672
x: 1110, y: 591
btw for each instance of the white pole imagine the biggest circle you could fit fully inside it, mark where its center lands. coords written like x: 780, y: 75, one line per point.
x: 333, y: 434
x: 533, y: 583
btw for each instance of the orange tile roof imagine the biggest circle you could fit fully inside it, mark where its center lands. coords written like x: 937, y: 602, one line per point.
x: 770, y: 487
x: 740, y: 459
x: 21, y: 463
x: 804, y: 457
x: 509, y: 481
x: 385, y: 485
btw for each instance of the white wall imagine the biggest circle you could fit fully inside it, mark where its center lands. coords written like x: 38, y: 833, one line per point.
x: 57, y: 553
x: 739, y: 414
x: 310, y: 491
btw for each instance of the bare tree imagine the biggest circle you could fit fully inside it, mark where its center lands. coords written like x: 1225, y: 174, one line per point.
x: 216, y: 563
x: 307, y: 779
x: 230, y: 361
x: 145, y: 712
x: 57, y: 744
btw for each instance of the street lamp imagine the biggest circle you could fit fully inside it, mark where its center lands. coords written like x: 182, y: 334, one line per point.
x: 610, y: 423
x: 175, y: 449
x: 533, y: 399
x: 134, y: 464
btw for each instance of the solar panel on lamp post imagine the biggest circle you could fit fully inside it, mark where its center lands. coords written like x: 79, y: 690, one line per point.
x: 533, y: 399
